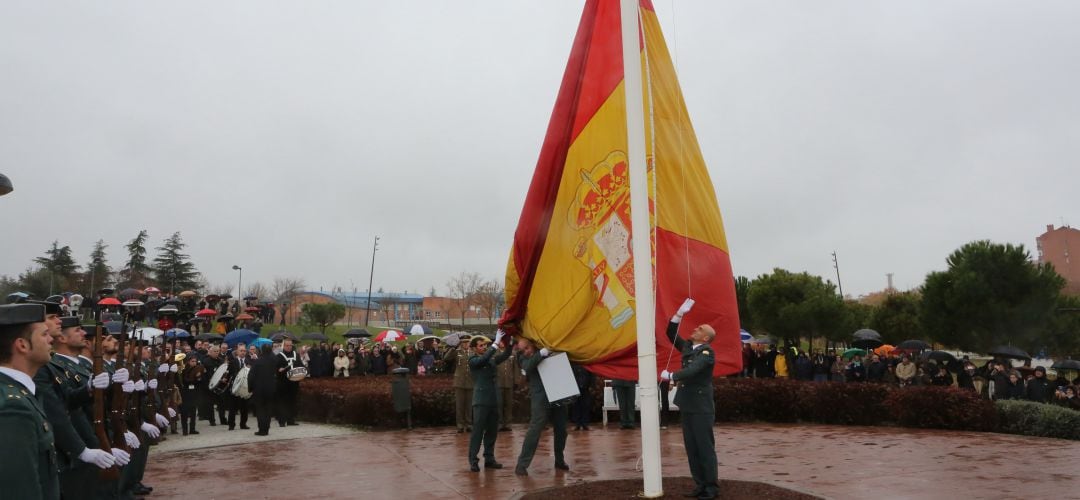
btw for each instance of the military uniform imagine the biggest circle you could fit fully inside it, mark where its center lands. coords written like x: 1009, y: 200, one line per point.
x: 62, y: 390
x: 485, y: 406
x: 463, y: 386
x: 506, y: 381
x: 624, y: 395
x: 695, y: 401
x: 541, y: 412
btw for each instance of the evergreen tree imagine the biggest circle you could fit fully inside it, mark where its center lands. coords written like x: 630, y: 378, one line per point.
x: 173, y: 269
x: 136, y: 272
x: 98, y: 273
x: 61, y: 267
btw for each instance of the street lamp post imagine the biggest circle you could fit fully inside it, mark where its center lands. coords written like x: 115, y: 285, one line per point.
x: 371, y: 276
x: 239, y: 283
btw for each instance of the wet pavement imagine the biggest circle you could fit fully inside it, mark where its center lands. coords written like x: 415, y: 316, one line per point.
x: 831, y: 461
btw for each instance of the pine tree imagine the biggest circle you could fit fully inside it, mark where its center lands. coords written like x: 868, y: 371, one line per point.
x: 135, y: 272
x: 98, y: 273
x: 61, y: 267
x: 173, y: 268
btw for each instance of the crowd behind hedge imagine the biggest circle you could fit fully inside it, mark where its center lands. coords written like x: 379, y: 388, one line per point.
x: 832, y: 391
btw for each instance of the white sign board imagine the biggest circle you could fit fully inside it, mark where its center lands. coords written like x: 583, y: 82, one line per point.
x: 558, y: 378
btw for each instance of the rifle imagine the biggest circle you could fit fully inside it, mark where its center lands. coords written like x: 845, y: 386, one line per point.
x: 172, y: 389
x: 118, y: 413
x: 112, y: 473
x: 134, y: 406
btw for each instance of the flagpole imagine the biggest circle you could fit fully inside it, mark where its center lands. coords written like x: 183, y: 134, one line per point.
x: 644, y: 309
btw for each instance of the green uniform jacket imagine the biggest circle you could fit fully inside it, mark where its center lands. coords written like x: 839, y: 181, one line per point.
x: 530, y: 365
x: 28, y: 467
x: 55, y: 391
x: 483, y: 370
x: 460, y: 358
x: 695, y: 394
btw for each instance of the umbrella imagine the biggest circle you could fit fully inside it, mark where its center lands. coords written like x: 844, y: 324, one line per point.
x: 188, y: 293
x: 173, y: 301
x: 453, y: 339
x: 357, y: 333
x: 108, y: 301
x: 212, y: 296
x: 252, y: 309
x: 279, y: 336
x: 1066, y: 364
x: 177, y: 333
x: 260, y: 342
x: 237, y: 336
x: 883, y: 350
x: 939, y: 356
x: 244, y: 317
x: 419, y: 329
x: 421, y: 340
x: 390, y: 336
x: 208, y: 336
x: 745, y: 336
x: 251, y: 297
x: 129, y: 293
x: 151, y: 289
x: 225, y: 296
x: 206, y: 313
x: 266, y: 301
x: 113, y: 326
x: 225, y: 317
x: 848, y: 354
x: 914, y: 345
x: 314, y: 336
x: 111, y: 317
x: 133, y: 303
x: 1008, y: 351
x: 17, y: 297
x: 867, y: 339
x: 169, y: 309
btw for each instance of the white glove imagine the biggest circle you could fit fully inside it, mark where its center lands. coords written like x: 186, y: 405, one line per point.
x: 665, y: 375
x: 150, y: 430
x: 499, y: 335
x: 121, y: 456
x: 100, y: 381
x: 140, y: 386
x: 172, y: 368
x: 151, y: 384
x: 683, y: 309
x: 100, y: 458
x: 132, y: 441
x: 544, y: 352
x: 161, y: 420
x: 120, y: 376
x: 128, y: 386
x: 163, y: 368
x: 172, y: 412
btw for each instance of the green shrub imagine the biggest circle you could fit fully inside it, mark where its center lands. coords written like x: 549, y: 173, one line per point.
x: 1037, y: 419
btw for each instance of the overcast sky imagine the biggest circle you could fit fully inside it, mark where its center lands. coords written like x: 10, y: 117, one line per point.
x: 283, y: 136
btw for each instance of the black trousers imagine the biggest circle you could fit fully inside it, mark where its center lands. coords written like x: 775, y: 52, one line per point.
x: 286, y: 396
x: 701, y: 450
x: 264, y: 409
x: 188, y: 409
x: 581, y: 412
x: 236, y: 405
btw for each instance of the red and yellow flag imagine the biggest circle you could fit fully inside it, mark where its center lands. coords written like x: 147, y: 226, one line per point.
x: 570, y: 279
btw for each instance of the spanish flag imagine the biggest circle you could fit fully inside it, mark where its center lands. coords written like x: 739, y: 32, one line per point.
x: 570, y: 279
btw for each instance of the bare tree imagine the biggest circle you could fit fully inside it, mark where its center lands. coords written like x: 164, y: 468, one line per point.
x: 389, y: 302
x: 489, y: 296
x: 285, y: 288
x: 219, y: 289
x: 463, y: 289
x: 257, y: 289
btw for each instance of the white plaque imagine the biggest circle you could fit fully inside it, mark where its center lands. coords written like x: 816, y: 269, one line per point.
x: 558, y: 378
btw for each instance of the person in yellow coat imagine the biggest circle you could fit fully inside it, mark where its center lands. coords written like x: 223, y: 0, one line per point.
x: 781, y: 365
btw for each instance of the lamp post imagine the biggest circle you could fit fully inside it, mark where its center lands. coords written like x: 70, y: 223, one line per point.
x: 5, y: 185
x: 371, y: 276
x: 239, y: 282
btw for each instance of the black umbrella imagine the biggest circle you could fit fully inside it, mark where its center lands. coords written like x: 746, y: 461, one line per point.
x: 314, y: 336
x: 914, y: 345
x: 939, y: 356
x: 225, y: 317
x: 279, y: 336
x: 173, y: 301
x: 251, y: 297
x: 1066, y: 364
x: 867, y: 339
x: 356, y: 333
x: 130, y: 293
x: 208, y: 336
x: 1008, y: 351
x: 225, y: 296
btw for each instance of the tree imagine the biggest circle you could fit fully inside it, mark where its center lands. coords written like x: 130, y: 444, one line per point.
x: 991, y: 294
x: 462, y: 289
x: 1063, y: 333
x: 61, y: 267
x: 742, y: 293
x: 897, y: 318
x: 172, y: 267
x: 489, y: 296
x: 856, y: 316
x: 136, y: 272
x: 97, y: 270
x: 285, y: 289
x: 389, y: 303
x: 257, y: 289
x: 790, y: 306
x: 322, y: 315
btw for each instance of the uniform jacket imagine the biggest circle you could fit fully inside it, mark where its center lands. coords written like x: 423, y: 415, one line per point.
x: 28, y: 467
x: 460, y: 359
x: 262, y: 377
x: 483, y: 374
x: 695, y: 394
x: 530, y: 365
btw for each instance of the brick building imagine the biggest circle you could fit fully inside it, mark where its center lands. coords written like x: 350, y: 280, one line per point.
x: 1056, y: 246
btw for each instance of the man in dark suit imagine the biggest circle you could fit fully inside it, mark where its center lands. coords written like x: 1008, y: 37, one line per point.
x: 262, y: 381
x: 483, y: 365
x: 695, y: 401
x: 237, y: 361
x: 541, y: 411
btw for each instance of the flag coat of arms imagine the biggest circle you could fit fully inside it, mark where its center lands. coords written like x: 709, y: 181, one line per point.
x: 570, y: 276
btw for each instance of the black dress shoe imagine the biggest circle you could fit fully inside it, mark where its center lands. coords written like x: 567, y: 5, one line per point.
x: 492, y: 465
x: 521, y: 471
x: 242, y: 427
x: 460, y: 430
x: 474, y: 467
x: 562, y: 466
x: 233, y: 428
x: 694, y: 494
x: 262, y: 433
x: 140, y: 491
x: 213, y: 424
x: 504, y: 428
x: 292, y: 423
x: 194, y: 432
x: 145, y: 487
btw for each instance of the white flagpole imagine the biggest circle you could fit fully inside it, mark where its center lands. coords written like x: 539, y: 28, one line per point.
x: 645, y: 309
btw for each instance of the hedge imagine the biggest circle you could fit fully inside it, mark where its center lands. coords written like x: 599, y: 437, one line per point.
x: 365, y: 401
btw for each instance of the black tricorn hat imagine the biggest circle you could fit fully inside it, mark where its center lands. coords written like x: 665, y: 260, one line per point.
x: 21, y: 314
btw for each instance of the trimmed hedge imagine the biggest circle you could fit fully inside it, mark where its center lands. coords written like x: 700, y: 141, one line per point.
x: 365, y: 401
x: 1037, y: 419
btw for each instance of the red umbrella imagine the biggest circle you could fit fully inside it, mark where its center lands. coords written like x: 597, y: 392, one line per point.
x: 252, y: 309
x: 206, y: 312
x: 151, y: 289
x: 390, y: 336
x: 109, y: 301
x: 244, y: 317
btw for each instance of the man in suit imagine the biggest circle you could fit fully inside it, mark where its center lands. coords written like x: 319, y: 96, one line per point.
x: 483, y: 365
x: 624, y: 395
x: 28, y: 467
x: 541, y: 411
x: 262, y: 381
x: 288, y: 390
x: 695, y: 401
x: 235, y: 404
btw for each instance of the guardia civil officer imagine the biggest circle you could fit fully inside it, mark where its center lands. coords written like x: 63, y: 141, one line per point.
x: 457, y: 358
x: 485, y: 401
x: 28, y: 467
x: 541, y: 411
x: 695, y: 401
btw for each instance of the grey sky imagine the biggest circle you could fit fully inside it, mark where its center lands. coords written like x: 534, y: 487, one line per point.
x: 283, y: 136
